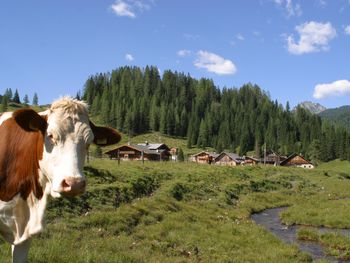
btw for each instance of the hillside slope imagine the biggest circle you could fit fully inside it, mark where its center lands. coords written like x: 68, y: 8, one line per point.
x: 339, y: 115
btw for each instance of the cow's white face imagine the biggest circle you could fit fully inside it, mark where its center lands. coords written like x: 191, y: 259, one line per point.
x: 65, y: 147
x: 61, y: 136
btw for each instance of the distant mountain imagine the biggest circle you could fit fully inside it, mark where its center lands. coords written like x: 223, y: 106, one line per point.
x: 314, y: 108
x: 339, y: 115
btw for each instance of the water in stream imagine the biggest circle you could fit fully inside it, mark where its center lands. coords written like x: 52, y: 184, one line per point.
x: 270, y: 220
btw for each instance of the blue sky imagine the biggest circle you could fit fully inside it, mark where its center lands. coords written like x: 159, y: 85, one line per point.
x: 295, y: 50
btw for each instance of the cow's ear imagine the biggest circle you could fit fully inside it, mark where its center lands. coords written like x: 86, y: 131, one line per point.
x: 30, y: 120
x: 104, y: 136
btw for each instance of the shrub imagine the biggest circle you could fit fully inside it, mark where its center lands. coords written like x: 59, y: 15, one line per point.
x: 178, y: 191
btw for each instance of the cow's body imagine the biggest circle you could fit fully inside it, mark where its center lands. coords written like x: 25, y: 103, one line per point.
x: 42, y: 156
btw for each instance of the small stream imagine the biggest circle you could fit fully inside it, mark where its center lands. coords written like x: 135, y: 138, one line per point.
x: 271, y: 221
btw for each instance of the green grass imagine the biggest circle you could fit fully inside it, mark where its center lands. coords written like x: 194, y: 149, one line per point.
x: 330, y: 206
x: 12, y: 106
x: 335, y: 244
x: 184, y: 212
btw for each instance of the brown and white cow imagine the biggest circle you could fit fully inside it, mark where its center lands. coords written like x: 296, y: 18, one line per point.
x: 42, y: 155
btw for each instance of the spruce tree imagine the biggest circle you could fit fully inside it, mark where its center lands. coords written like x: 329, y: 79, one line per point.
x: 202, y: 140
x: 8, y: 94
x: 35, y: 99
x: 26, y: 100
x: 4, y: 103
x: 16, y: 98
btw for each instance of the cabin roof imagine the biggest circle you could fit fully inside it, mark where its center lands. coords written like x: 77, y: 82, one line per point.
x: 293, y: 156
x: 212, y: 154
x: 142, y: 148
x: 233, y: 156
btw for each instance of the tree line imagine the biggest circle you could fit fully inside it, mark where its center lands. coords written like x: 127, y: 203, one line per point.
x: 10, y: 96
x: 137, y: 100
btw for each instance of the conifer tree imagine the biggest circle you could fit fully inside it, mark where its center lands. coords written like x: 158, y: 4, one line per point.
x: 26, y: 100
x: 8, y: 94
x: 4, y: 103
x: 35, y: 99
x: 202, y: 140
x: 16, y: 98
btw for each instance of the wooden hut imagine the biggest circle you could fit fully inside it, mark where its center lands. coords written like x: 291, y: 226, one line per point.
x: 251, y: 161
x: 229, y: 159
x: 204, y: 157
x: 273, y: 158
x: 296, y: 160
x: 140, y: 152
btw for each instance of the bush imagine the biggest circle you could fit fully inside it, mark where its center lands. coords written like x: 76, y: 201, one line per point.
x: 144, y: 185
x: 178, y: 191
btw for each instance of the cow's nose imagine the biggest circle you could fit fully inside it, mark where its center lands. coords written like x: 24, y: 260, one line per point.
x: 73, y: 185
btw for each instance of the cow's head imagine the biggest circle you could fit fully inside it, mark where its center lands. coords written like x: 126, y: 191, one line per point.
x: 67, y: 133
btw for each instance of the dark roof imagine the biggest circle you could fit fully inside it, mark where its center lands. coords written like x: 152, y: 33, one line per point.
x: 233, y: 156
x: 154, y: 146
x: 212, y: 154
x: 252, y: 158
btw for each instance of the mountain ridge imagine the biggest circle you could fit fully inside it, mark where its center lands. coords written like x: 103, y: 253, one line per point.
x: 315, y: 108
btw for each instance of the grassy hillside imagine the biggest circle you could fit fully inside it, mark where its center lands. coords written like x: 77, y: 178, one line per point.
x: 183, y: 212
x: 12, y: 106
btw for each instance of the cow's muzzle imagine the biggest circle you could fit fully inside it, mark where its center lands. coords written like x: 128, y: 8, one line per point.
x: 72, y: 186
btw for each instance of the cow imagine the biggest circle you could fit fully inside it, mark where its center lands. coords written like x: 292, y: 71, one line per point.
x: 41, y: 156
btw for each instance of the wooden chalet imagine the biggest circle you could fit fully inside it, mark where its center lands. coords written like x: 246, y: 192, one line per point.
x: 296, y: 160
x: 273, y: 158
x: 251, y: 160
x: 204, y: 157
x: 141, y: 152
x: 229, y: 159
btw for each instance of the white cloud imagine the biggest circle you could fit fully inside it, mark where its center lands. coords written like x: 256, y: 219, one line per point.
x: 184, y: 53
x: 214, y: 63
x: 336, y: 88
x: 121, y: 8
x: 240, y: 37
x: 129, y: 8
x: 347, y: 30
x: 129, y: 57
x: 314, y: 37
x: 290, y: 8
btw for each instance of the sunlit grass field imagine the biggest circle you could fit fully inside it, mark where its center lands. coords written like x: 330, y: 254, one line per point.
x: 185, y: 212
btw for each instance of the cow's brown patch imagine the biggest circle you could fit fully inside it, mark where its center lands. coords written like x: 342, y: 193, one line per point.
x: 104, y: 136
x: 20, y: 152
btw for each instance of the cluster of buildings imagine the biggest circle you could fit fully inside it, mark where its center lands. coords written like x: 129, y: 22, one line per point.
x: 232, y: 159
x: 161, y: 152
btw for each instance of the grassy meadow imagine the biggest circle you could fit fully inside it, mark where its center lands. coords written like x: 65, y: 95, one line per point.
x: 185, y: 212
